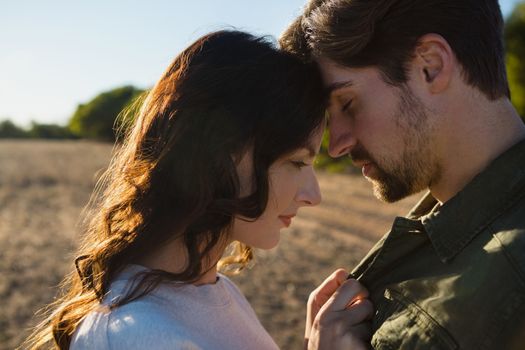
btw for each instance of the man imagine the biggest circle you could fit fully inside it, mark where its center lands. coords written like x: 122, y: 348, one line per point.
x: 418, y: 98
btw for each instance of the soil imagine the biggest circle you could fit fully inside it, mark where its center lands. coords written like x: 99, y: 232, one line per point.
x: 45, y: 184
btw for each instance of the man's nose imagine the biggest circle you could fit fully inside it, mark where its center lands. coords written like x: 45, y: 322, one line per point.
x: 341, y: 139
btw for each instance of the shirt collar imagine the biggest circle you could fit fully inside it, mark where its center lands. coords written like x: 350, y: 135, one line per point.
x: 453, y: 225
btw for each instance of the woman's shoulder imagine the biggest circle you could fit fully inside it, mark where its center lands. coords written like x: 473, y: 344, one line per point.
x: 181, y: 317
x: 136, y: 325
x: 233, y: 290
x: 155, y: 318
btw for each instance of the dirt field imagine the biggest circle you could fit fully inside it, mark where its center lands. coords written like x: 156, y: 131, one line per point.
x: 44, y: 185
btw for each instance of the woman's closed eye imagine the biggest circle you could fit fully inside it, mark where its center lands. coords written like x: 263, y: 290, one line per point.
x: 299, y: 163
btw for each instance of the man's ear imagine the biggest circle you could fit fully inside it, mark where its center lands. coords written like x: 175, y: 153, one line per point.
x: 433, y: 62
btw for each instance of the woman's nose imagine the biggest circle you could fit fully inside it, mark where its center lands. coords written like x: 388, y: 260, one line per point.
x: 309, y: 194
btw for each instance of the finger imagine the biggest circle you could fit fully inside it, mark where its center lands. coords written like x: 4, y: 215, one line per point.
x: 358, y: 313
x: 348, y: 293
x: 354, y: 301
x: 351, y: 276
x: 362, y: 331
x: 351, y: 324
x: 358, y: 337
x: 332, y: 282
x: 326, y: 289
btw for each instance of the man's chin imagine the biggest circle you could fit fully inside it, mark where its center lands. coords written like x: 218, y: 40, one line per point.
x: 389, y: 193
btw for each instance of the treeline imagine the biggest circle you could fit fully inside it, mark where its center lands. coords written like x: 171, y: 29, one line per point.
x: 514, y: 37
x: 36, y: 131
x: 99, y: 119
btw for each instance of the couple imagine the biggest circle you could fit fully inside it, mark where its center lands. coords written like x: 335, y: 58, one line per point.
x: 221, y: 153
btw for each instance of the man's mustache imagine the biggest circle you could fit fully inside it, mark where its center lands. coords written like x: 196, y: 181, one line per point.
x: 360, y: 154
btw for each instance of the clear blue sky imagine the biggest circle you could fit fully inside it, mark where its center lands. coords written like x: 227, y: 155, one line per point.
x: 55, y: 54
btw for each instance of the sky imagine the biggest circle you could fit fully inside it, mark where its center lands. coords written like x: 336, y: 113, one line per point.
x: 55, y: 54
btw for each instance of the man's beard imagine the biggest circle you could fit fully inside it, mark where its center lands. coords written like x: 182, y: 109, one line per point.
x: 415, y: 168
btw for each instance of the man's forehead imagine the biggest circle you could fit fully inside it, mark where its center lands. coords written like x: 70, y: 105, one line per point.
x: 335, y: 75
x: 337, y: 85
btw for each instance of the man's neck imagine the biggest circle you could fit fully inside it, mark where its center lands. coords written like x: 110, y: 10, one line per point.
x: 473, y: 138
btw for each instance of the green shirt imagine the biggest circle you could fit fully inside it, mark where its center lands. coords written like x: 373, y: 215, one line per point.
x: 452, y: 276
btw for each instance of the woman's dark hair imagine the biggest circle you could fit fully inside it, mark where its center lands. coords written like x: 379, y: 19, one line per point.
x: 175, y: 175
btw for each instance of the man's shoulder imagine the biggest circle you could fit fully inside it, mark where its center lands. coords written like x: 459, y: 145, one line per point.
x: 509, y: 232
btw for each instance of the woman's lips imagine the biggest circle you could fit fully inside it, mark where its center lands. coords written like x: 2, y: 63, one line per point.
x: 286, y: 220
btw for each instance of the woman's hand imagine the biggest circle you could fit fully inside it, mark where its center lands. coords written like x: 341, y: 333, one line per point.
x: 337, y: 315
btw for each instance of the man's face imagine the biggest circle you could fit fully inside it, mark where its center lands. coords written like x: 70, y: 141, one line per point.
x: 385, y: 129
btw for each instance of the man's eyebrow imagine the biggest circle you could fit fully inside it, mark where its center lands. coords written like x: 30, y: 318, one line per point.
x: 337, y: 85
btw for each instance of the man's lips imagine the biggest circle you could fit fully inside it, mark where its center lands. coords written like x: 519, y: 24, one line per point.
x: 286, y: 219
x: 365, y: 169
x: 359, y: 162
x: 365, y: 166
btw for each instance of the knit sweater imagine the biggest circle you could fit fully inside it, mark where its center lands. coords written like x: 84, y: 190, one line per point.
x: 183, y: 316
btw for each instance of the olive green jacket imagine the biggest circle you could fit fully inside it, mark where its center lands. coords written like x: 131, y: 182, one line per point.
x: 452, y: 276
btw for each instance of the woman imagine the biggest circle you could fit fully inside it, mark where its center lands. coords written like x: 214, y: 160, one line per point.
x: 221, y: 152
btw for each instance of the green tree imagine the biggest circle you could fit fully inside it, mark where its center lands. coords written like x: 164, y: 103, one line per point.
x: 515, y: 52
x: 49, y: 131
x: 9, y: 130
x: 338, y: 165
x: 96, y: 119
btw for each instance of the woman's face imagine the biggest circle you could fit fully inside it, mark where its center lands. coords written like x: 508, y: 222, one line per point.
x: 292, y: 185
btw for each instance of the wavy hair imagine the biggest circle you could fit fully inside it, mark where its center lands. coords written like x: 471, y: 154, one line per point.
x: 174, y: 176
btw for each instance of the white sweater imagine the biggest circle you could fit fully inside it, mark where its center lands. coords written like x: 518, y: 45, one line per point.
x: 212, y: 316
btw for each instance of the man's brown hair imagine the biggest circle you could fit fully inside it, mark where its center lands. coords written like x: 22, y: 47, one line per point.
x: 384, y: 33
